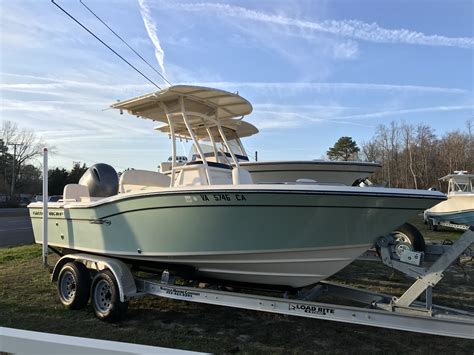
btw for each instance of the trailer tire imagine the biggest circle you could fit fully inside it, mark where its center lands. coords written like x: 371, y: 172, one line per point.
x: 408, y: 235
x: 73, y: 285
x: 105, y: 298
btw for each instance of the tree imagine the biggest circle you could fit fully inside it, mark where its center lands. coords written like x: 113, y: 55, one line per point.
x: 344, y: 149
x: 57, y: 179
x: 18, y: 147
x: 414, y: 157
x: 76, y: 172
x: 29, y: 181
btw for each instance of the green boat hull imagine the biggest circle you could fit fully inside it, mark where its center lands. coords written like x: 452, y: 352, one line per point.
x: 272, y: 237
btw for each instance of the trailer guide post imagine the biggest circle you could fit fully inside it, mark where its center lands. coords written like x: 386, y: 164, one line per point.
x: 45, y: 207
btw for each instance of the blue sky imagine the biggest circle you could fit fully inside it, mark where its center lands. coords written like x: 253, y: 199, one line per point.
x: 313, y: 70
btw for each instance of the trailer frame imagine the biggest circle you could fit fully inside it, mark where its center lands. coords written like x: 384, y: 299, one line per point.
x: 413, y: 311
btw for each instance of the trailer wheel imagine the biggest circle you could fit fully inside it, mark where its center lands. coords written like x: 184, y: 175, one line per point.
x: 408, y: 237
x: 105, y: 298
x: 73, y: 285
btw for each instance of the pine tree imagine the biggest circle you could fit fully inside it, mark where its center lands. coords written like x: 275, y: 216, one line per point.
x: 344, y: 149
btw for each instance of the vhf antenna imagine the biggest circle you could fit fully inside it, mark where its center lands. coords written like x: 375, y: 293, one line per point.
x: 105, y: 44
x: 119, y: 37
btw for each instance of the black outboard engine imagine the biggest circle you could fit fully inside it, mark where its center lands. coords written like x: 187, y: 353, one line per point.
x: 101, y: 180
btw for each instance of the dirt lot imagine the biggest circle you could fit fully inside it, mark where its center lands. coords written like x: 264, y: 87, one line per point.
x: 28, y: 301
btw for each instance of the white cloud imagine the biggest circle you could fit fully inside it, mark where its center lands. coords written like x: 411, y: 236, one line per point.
x: 406, y: 111
x: 150, y: 26
x: 346, y: 50
x: 320, y: 87
x: 66, y: 87
x: 353, y: 29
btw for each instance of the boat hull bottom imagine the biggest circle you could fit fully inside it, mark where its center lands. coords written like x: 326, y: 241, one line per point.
x: 293, y: 268
x: 464, y: 217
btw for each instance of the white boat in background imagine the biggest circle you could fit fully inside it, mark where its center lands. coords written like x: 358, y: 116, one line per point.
x: 459, y: 207
x: 350, y: 173
x: 210, y: 216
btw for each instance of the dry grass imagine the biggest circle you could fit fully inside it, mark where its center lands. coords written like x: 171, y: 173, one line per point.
x: 28, y: 300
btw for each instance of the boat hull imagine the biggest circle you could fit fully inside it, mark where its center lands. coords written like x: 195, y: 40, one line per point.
x: 338, y: 172
x: 295, y: 268
x: 269, y: 237
x: 461, y: 217
x: 457, y: 209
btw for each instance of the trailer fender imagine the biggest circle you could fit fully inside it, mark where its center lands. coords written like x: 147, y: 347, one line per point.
x: 123, y: 275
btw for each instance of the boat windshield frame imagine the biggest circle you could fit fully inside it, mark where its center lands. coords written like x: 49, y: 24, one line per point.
x: 220, y: 151
x: 456, y: 186
x: 209, y: 123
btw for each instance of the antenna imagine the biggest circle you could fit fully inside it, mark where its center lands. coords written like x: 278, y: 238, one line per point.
x: 119, y: 37
x: 105, y: 44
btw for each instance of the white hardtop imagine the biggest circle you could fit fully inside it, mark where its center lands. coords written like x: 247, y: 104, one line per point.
x: 232, y: 129
x: 198, y: 101
x: 458, y: 176
x: 195, y: 112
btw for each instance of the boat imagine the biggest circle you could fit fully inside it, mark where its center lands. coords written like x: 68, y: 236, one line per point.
x: 350, y: 173
x: 211, y: 216
x: 459, y: 207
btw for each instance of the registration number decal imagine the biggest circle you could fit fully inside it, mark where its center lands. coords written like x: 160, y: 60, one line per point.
x: 216, y: 198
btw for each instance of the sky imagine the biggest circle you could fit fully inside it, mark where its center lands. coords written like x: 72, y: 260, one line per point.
x: 313, y: 70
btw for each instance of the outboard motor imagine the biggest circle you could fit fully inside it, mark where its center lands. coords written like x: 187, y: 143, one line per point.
x: 101, y: 180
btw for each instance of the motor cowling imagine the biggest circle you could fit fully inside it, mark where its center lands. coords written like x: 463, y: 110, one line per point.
x: 101, y: 180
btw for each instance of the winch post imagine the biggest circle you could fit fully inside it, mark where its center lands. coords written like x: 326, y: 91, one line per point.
x: 435, y: 273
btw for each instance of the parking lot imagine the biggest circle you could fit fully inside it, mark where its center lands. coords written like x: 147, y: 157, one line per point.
x: 15, y: 227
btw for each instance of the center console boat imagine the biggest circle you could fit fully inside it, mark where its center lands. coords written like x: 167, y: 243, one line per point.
x: 211, y: 215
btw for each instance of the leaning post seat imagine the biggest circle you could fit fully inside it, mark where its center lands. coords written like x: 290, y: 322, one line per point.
x: 194, y: 173
x: 165, y: 166
x: 133, y: 180
x: 241, y: 176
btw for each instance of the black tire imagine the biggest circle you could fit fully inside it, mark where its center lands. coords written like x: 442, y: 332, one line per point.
x: 74, y: 283
x: 105, y: 298
x: 407, y: 234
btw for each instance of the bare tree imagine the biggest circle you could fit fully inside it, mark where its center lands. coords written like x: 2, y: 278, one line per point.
x: 22, y: 145
x: 412, y: 156
x: 407, y: 134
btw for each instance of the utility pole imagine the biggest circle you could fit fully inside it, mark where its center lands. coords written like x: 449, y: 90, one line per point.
x: 256, y: 156
x: 13, y: 167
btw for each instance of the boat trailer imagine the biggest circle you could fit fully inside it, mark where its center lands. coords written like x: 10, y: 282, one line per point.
x: 434, y: 223
x: 413, y: 311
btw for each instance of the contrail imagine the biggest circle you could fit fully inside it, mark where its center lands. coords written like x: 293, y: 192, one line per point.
x: 370, y: 32
x: 150, y: 26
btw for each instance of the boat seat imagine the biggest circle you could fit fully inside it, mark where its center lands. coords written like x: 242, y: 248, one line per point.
x: 75, y: 192
x: 241, y: 176
x: 133, y: 180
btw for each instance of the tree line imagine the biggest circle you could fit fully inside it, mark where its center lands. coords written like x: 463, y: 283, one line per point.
x: 412, y: 156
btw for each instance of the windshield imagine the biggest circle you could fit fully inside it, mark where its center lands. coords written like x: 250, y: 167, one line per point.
x: 234, y: 145
x: 461, y: 186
